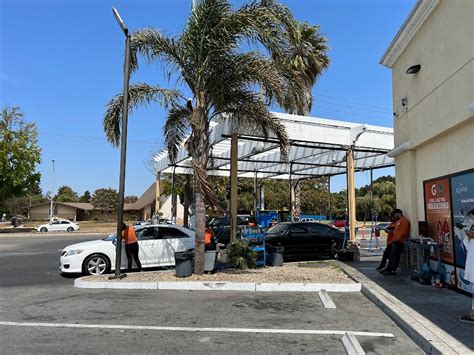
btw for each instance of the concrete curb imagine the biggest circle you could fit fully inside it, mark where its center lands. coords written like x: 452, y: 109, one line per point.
x: 218, y: 286
x: 429, y: 337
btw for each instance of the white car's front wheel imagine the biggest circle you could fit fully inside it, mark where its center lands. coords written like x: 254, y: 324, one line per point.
x: 43, y: 229
x: 96, y: 264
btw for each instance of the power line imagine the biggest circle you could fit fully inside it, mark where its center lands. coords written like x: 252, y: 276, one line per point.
x: 355, y: 102
x: 95, y: 138
x: 355, y: 107
x: 351, y: 113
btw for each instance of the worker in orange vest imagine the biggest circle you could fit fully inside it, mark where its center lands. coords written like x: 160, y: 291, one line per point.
x: 387, y: 254
x: 400, y: 235
x: 209, y: 242
x: 131, y: 246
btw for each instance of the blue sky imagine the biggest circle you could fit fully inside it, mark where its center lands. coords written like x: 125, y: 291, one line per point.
x: 61, y: 62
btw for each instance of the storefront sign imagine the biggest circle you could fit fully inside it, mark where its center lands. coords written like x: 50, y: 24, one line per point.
x: 462, y: 187
x: 438, y: 217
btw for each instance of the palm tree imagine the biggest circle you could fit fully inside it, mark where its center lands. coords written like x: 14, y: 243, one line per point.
x: 211, y: 59
x: 306, y: 55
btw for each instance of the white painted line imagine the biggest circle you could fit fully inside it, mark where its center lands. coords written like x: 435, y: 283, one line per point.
x: 189, y: 329
x: 352, y: 345
x: 326, y: 300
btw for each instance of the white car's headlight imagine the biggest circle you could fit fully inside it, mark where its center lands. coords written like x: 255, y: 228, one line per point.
x: 74, y: 252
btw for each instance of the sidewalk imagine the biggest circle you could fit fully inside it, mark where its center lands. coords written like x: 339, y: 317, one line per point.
x: 440, y: 306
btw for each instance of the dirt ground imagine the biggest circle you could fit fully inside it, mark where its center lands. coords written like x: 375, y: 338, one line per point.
x: 308, y: 272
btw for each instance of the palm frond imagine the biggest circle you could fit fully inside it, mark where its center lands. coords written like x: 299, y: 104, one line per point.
x: 252, y: 114
x: 175, y: 129
x: 139, y: 95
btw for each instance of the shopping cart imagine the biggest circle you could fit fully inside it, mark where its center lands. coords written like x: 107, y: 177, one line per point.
x: 419, y: 252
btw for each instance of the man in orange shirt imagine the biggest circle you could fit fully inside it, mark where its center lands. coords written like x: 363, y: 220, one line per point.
x: 387, y: 254
x: 400, y: 235
x: 131, y: 246
x: 209, y: 242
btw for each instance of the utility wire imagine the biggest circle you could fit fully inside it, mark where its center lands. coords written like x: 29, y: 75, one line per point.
x: 350, y: 113
x: 385, y: 109
x: 96, y: 138
x: 354, y: 107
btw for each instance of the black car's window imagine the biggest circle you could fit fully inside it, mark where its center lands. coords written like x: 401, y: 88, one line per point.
x: 171, y: 233
x: 319, y: 229
x: 145, y: 234
x: 297, y: 230
x: 241, y: 220
x: 278, y: 228
x: 219, y: 222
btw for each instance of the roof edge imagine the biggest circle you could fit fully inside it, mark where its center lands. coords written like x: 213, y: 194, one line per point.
x: 417, y: 17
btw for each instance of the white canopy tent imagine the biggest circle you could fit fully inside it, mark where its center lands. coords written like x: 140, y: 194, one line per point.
x: 318, y: 147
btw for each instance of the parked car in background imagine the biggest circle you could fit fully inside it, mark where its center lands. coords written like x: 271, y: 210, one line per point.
x: 58, y: 225
x: 221, y: 227
x: 157, y: 244
x: 341, y: 223
x: 303, y: 240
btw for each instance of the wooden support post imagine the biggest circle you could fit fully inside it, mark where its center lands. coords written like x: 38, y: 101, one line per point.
x: 233, y: 186
x: 157, y: 193
x: 351, y: 193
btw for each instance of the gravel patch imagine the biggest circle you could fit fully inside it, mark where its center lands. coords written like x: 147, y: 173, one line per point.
x: 313, y: 272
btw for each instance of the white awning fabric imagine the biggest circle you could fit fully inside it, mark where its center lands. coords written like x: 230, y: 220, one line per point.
x: 317, y: 148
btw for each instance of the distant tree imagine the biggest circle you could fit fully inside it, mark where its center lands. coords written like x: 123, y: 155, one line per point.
x: 105, y: 200
x: 66, y: 194
x: 86, y: 197
x: 19, y: 154
x: 130, y: 199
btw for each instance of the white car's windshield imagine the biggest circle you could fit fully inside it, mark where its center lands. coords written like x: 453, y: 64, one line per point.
x: 110, y: 238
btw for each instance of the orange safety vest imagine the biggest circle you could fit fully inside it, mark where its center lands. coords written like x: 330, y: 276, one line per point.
x: 208, y: 235
x: 129, y: 236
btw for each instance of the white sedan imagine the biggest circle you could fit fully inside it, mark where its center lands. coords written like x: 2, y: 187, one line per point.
x: 157, y: 243
x: 58, y: 225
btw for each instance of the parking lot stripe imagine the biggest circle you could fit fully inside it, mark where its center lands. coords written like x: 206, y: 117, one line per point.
x: 326, y: 299
x: 189, y: 329
x: 352, y: 345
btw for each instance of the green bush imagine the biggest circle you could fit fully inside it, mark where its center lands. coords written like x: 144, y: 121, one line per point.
x: 242, y: 256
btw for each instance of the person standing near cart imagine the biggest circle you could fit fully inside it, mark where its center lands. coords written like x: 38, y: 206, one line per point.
x: 468, y: 240
x: 131, y: 246
x: 400, y: 235
x: 387, y: 254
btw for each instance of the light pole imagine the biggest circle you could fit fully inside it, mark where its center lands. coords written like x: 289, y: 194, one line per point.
x: 52, y: 194
x: 123, y: 143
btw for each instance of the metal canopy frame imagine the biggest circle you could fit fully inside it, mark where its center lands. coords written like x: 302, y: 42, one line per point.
x: 317, y: 148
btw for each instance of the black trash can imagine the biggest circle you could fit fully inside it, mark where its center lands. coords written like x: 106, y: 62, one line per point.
x: 275, y: 257
x: 184, y: 263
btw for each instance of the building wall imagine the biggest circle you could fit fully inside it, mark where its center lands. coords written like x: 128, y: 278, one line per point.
x: 40, y: 213
x: 437, y: 121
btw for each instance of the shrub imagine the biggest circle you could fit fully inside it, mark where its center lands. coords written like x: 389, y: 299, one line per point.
x: 242, y: 256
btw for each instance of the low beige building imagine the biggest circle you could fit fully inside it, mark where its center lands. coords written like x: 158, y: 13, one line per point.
x: 432, y: 65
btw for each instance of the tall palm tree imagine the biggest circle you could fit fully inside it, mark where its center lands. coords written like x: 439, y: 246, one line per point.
x: 211, y: 58
x: 306, y: 56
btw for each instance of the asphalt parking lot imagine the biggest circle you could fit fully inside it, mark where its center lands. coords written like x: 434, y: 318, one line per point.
x: 40, y: 312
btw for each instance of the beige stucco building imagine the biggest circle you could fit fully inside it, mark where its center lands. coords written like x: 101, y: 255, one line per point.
x: 433, y: 108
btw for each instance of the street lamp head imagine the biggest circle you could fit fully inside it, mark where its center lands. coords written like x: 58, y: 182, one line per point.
x: 120, y: 21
